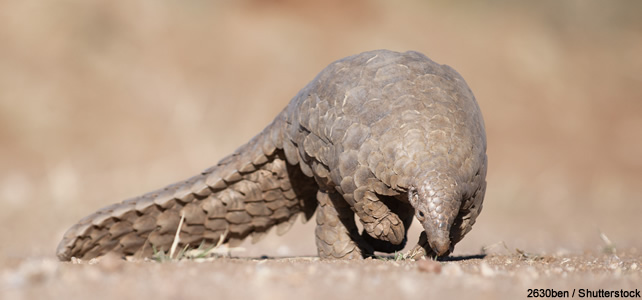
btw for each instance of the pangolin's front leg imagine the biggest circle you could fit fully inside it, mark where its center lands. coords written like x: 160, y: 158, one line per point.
x: 337, y: 235
x: 397, y: 210
x: 381, y: 226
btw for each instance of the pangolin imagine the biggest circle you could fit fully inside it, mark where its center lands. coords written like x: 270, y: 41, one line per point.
x: 384, y: 135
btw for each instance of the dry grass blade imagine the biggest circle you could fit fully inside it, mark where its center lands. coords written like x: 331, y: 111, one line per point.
x: 609, y: 247
x: 500, y: 244
x: 176, y: 237
x: 530, y: 257
x: 201, y: 253
x: 414, y: 253
x: 222, y: 237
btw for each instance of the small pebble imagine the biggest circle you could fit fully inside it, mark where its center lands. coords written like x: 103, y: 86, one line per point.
x: 429, y: 266
x: 111, y: 263
x: 452, y: 269
x: 486, y: 270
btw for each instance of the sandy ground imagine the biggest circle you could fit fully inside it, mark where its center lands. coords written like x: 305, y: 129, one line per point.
x: 495, y: 276
x: 101, y: 101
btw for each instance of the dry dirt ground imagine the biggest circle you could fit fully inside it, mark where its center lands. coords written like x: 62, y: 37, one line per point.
x: 104, y: 100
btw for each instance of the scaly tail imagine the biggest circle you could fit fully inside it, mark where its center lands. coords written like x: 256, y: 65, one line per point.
x: 247, y: 193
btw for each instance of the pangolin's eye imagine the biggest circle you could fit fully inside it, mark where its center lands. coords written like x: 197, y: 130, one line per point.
x: 420, y: 214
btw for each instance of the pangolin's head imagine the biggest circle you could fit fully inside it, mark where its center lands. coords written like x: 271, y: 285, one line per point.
x: 437, y: 201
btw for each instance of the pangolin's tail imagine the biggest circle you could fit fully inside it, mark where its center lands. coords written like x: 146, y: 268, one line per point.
x: 246, y: 193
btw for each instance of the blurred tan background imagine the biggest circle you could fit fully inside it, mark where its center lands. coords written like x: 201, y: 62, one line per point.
x: 105, y: 100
